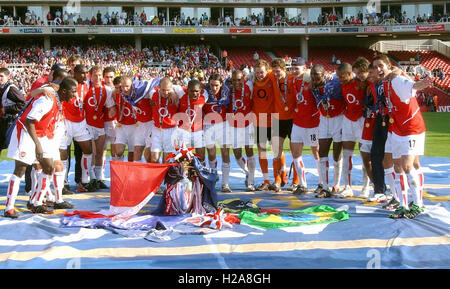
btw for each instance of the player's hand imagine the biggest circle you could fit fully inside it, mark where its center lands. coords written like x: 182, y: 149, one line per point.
x: 395, y: 72
x: 173, y: 98
x: 49, y: 93
x: 39, y: 152
x: 328, y: 77
x: 54, y: 86
x: 112, y: 112
x: 424, y: 83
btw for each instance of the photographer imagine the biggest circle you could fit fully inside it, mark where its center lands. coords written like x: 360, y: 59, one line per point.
x: 12, y: 102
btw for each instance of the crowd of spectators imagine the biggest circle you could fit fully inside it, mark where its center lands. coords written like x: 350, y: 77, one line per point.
x: 271, y: 17
x: 374, y: 19
x: 180, y: 62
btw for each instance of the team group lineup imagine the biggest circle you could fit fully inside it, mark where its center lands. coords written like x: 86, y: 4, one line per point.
x: 371, y: 104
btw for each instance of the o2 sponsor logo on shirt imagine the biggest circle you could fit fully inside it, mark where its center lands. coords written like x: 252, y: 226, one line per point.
x: 351, y: 98
x: 126, y: 111
x: 91, y: 101
x: 139, y: 111
x: 77, y: 103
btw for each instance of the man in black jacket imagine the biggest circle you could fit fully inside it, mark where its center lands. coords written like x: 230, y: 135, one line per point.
x: 12, y: 102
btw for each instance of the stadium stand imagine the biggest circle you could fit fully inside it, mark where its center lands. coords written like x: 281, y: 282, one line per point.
x: 431, y: 60
x: 322, y: 55
x: 244, y: 56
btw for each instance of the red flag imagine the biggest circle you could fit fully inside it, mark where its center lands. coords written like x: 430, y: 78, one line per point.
x: 133, y: 185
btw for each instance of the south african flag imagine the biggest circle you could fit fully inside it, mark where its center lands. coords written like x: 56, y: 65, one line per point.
x: 311, y: 216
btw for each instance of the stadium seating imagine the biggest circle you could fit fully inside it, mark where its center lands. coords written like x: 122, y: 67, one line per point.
x: 244, y: 56
x: 322, y: 55
x: 430, y: 60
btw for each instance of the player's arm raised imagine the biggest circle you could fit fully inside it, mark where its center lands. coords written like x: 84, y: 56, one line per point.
x: 43, y: 90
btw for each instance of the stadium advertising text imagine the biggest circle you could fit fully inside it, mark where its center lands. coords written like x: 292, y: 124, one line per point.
x: 434, y: 27
x: 185, y: 30
x: 122, y: 30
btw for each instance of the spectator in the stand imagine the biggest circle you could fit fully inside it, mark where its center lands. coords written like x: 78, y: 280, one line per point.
x: 155, y: 20
x: 333, y: 59
x: 136, y: 18
x: 227, y: 20
x: 204, y: 18
x: 104, y: 20
x: 49, y: 16
x: 255, y: 56
x: 112, y: 20
x: 331, y: 17
x: 360, y: 16
x: 229, y: 65
x: 143, y: 17
x: 122, y: 21
x: 70, y: 21
x: 27, y: 17
x: 441, y: 74
x: 435, y: 102
x: 99, y: 17
x: 65, y: 19
x: 107, y: 16
x: 58, y: 20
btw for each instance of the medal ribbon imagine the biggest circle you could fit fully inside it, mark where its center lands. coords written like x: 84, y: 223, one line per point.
x: 283, y: 98
x: 190, y: 113
x: 159, y: 111
x: 235, y: 108
x: 95, y: 99
x: 80, y: 99
x: 300, y: 93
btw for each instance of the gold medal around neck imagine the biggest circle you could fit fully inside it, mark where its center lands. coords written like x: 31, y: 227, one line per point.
x: 383, y: 123
x: 391, y: 120
x: 94, y: 117
x: 119, y: 125
x: 136, y: 124
x: 296, y: 110
x: 160, y: 128
x: 286, y: 108
x: 328, y: 116
x: 367, y: 124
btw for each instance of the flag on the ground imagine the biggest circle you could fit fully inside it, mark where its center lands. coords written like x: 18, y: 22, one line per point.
x: 310, y: 216
x: 132, y: 187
